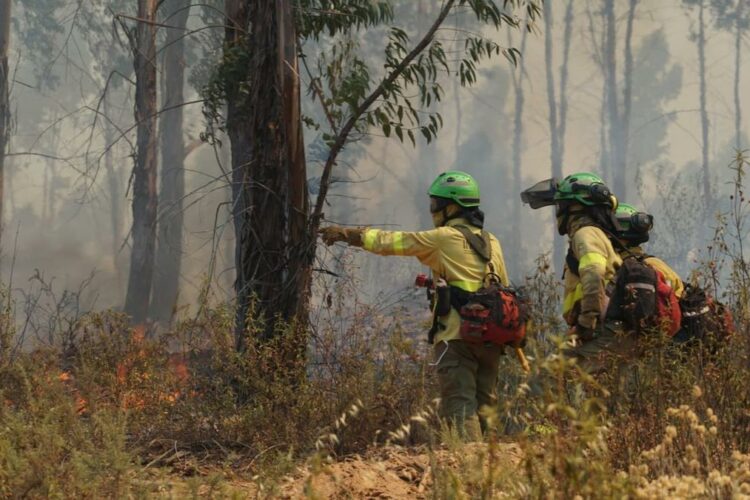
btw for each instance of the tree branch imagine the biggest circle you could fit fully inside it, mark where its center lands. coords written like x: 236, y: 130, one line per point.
x: 343, y: 135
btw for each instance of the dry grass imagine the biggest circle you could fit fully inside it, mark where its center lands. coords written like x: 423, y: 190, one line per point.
x: 104, y: 411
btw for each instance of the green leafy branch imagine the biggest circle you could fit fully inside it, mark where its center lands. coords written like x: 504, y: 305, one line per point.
x: 390, y: 106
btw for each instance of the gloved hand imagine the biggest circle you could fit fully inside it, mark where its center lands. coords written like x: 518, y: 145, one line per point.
x: 333, y: 234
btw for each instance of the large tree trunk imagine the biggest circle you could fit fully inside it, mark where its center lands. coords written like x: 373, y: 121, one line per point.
x: 555, y: 153
x: 268, y: 167
x: 4, y: 99
x: 144, y: 178
x: 165, y: 290
x: 708, y: 202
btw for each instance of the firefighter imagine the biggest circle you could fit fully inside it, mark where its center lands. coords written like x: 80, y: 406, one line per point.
x: 467, y: 372
x: 585, y: 213
x: 634, y: 230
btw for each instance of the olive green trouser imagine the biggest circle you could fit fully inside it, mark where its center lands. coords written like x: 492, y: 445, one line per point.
x: 611, y: 347
x: 467, y: 374
x: 610, y: 357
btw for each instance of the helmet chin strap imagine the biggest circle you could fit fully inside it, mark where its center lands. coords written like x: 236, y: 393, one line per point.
x: 445, y: 216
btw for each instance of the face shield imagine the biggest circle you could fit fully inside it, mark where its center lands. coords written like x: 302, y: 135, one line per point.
x: 541, y: 194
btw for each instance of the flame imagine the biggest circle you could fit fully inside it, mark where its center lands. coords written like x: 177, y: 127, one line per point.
x: 81, y: 404
x: 127, y: 375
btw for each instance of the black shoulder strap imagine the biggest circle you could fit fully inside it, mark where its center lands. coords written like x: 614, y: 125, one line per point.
x: 480, y: 244
x: 572, y: 261
x: 616, y: 241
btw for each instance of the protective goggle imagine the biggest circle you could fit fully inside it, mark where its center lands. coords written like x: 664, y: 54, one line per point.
x: 438, y: 204
x: 541, y: 194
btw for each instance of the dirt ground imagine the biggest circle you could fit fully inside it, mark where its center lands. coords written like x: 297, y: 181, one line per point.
x: 383, y: 473
x: 390, y: 473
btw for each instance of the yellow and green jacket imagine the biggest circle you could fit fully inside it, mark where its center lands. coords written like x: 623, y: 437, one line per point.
x: 585, y: 298
x: 670, y: 276
x: 447, y: 253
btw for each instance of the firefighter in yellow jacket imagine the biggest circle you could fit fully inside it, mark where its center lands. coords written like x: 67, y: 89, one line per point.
x: 585, y: 213
x: 633, y: 231
x: 467, y: 373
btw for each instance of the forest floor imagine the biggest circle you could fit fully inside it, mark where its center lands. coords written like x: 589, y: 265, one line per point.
x: 386, y: 473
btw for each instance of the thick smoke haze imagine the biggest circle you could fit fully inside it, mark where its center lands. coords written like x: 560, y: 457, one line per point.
x: 60, y: 195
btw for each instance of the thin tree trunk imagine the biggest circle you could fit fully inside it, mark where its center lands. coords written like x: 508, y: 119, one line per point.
x: 113, y: 181
x: 616, y: 166
x: 297, y: 208
x: 737, y: 66
x: 166, y: 281
x: 5, y: 26
x: 144, y: 178
x: 517, y: 80
x: 599, y: 47
x: 555, y: 159
x: 704, y: 112
x: 564, y: 79
x: 627, y: 91
x: 457, y: 136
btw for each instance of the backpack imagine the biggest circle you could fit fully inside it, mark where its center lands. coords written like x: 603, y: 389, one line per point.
x: 632, y: 294
x: 640, y: 297
x: 495, y: 313
x: 703, y: 317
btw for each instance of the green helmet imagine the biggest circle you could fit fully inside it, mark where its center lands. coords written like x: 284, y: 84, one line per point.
x: 584, y: 188
x: 456, y: 186
x: 634, y: 226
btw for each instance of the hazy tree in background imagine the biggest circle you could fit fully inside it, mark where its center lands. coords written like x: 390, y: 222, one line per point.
x: 557, y: 111
x: 113, y: 67
x: 627, y: 100
x: 166, y: 281
x: 656, y: 81
x: 143, y: 44
x: 618, y: 113
x: 517, y: 79
x: 700, y: 43
x: 5, y: 27
x: 598, y: 44
x: 734, y: 15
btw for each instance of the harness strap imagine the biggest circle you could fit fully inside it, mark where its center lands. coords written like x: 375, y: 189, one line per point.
x: 480, y: 244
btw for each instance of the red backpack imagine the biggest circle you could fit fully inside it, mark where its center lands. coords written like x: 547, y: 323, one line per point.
x: 642, y: 298
x: 495, y: 313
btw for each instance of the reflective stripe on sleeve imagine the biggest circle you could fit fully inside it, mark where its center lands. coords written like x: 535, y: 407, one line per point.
x: 572, y: 298
x: 592, y: 259
x: 469, y: 286
x: 368, y: 242
x: 398, y: 242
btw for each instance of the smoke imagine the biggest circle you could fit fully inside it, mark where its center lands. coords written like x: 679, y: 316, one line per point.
x: 60, y: 203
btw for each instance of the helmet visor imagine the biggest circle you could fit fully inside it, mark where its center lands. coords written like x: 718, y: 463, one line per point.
x: 641, y: 222
x: 541, y: 194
